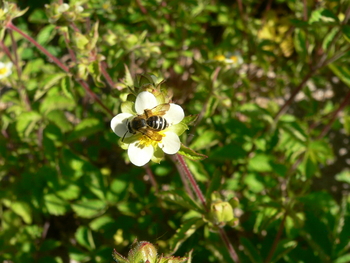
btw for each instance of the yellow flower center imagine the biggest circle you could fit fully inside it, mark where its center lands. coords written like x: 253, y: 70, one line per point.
x: 3, y: 71
x: 234, y: 59
x: 219, y: 58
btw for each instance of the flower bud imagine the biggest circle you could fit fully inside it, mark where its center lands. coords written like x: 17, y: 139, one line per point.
x: 143, y: 252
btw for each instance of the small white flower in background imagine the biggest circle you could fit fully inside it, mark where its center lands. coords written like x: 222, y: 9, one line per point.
x: 5, y: 69
x: 234, y: 59
x: 63, y: 8
x: 143, y: 146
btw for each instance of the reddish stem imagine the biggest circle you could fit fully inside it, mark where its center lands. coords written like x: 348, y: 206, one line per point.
x: 193, y: 182
x: 60, y: 64
x: 228, y: 245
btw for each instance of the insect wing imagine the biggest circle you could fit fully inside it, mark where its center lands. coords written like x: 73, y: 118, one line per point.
x: 151, y: 134
x: 158, y: 110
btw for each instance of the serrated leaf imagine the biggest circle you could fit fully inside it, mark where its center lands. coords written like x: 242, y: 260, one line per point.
x: 184, y: 232
x: 70, y: 192
x: 84, y: 237
x: 23, y: 210
x: 191, y: 154
x: 95, y: 71
x: 60, y: 120
x: 26, y: 122
x: 89, y: 208
x: 55, y: 205
x: 100, y: 222
x: 86, y: 128
x: 56, y: 102
x: 46, y: 34
x: 181, y: 198
x: 47, y: 83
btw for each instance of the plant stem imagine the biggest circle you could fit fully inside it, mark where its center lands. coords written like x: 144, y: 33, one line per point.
x: 192, y: 180
x: 228, y: 245
x: 201, y: 197
x: 345, y: 102
x: 60, y: 64
x: 277, y: 239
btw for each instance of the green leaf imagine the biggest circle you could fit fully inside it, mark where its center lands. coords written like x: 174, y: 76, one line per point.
x: 191, y: 154
x: 190, y: 119
x: 48, y: 83
x: 89, y: 208
x: 215, y: 183
x: 184, y: 232
x: 260, y: 163
x: 343, y: 259
x: 84, y: 237
x: 60, y: 120
x: 283, y: 248
x: 70, y: 192
x: 46, y: 34
x: 26, y: 122
x: 100, y: 222
x: 55, y: 205
x: 181, y: 198
x: 23, y: 210
x: 56, y: 102
x: 342, y: 72
x: 328, y: 38
x: 86, y: 128
x: 343, y: 176
x: 95, y: 71
x: 206, y: 140
x: 251, y: 251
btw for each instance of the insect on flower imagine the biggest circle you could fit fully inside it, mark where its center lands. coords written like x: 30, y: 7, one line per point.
x: 150, y: 122
x: 151, y: 130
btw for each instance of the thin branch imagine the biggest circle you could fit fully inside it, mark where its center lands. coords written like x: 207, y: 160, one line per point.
x: 277, y: 239
x: 284, y: 108
x: 345, y: 102
x: 61, y: 65
x: 193, y: 182
x: 228, y: 245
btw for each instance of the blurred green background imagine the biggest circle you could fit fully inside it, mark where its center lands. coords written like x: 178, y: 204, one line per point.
x: 269, y: 81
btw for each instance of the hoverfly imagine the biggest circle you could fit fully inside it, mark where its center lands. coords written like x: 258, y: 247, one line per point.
x: 149, y: 123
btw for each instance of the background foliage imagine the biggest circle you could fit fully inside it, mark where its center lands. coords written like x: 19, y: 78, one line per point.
x: 275, y: 128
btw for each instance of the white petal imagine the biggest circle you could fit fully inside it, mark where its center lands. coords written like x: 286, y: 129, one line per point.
x: 175, y: 114
x: 145, y: 100
x: 140, y: 155
x: 118, y: 124
x: 170, y: 143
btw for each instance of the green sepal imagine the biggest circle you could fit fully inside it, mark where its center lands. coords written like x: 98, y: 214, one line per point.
x: 191, y: 154
x: 127, y: 107
x: 190, y: 119
x: 119, y: 258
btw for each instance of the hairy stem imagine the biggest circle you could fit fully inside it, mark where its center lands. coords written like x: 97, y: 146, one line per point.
x: 59, y: 64
x: 228, y: 245
x: 192, y: 180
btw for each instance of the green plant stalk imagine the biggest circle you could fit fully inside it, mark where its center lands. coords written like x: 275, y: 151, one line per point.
x: 201, y: 197
x: 59, y: 64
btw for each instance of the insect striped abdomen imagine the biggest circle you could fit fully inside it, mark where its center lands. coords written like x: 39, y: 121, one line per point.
x: 157, y: 123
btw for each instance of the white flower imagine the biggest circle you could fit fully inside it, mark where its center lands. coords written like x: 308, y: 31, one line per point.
x: 5, y: 69
x: 63, y: 8
x: 142, y: 148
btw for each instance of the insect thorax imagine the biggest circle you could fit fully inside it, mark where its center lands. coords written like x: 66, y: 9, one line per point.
x: 136, y: 124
